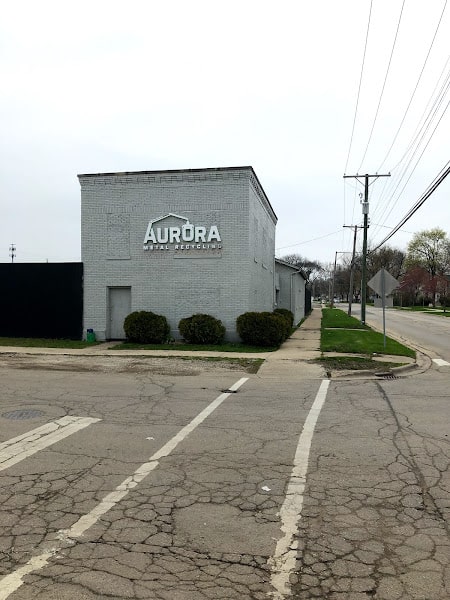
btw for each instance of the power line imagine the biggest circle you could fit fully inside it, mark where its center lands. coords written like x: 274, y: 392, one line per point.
x: 387, y: 227
x: 359, y: 87
x: 417, y: 162
x: 414, y: 146
x: 422, y: 127
x: 431, y: 188
x: 424, y: 123
x: 415, y: 88
x: 383, y: 87
x: 308, y: 241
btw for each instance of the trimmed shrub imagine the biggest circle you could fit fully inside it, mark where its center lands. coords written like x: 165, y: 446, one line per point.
x: 146, y: 327
x: 287, y: 325
x: 287, y: 314
x: 202, y: 329
x: 262, y: 328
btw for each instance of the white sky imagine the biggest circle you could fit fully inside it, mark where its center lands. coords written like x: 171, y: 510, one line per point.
x: 100, y: 86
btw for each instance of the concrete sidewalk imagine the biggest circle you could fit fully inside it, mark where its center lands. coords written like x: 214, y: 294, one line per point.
x: 303, y: 345
x: 104, y: 349
x: 294, y: 359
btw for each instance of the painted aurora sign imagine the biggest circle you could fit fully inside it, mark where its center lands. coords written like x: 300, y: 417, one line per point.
x: 184, y: 236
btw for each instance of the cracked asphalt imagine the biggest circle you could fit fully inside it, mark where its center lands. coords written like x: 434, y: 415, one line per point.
x: 376, y: 517
x: 204, y: 522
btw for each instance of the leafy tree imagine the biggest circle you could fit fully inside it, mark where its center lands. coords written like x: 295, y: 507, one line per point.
x: 430, y: 250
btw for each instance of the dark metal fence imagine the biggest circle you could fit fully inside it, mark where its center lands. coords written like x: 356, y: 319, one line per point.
x: 41, y: 300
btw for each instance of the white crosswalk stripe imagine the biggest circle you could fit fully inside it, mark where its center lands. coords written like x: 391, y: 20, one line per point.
x: 17, y: 449
x: 441, y: 363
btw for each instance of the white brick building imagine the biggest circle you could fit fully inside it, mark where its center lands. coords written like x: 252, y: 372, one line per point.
x: 176, y: 243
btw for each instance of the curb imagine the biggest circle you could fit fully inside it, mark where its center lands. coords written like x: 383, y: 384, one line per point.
x: 422, y: 364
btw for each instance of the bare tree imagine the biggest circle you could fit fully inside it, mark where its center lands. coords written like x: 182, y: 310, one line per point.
x: 388, y: 258
x: 311, y: 269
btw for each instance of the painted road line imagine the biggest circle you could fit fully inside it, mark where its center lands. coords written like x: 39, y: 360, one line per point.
x: 10, y: 583
x: 441, y: 363
x: 283, y: 561
x: 27, y: 444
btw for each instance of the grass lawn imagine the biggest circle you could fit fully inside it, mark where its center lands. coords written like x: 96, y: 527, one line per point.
x: 336, y: 337
x: 45, y: 343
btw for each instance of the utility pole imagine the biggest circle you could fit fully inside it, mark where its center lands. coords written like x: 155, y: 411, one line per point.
x: 334, y: 277
x: 352, y: 267
x: 12, y: 252
x: 365, y: 212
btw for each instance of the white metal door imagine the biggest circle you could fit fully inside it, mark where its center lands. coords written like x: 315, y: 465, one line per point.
x: 119, y: 308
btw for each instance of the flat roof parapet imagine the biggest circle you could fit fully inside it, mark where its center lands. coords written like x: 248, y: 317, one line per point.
x: 172, y: 175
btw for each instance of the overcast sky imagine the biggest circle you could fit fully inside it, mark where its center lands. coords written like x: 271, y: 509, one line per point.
x: 97, y: 86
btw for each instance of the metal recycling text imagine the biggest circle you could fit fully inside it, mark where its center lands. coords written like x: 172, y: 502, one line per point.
x: 183, y: 237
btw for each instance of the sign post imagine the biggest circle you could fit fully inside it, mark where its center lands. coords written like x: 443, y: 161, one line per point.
x: 383, y: 283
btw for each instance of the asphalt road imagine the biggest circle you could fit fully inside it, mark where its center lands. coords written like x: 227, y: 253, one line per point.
x: 187, y: 483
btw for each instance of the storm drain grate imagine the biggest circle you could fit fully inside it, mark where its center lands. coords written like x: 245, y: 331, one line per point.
x: 386, y: 375
x: 21, y: 415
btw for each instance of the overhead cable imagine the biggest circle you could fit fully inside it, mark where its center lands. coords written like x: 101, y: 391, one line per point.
x: 308, y: 241
x: 431, y: 188
x: 413, y: 147
x: 421, y: 124
x: 359, y: 87
x: 383, y: 87
x: 419, y: 158
x: 415, y: 88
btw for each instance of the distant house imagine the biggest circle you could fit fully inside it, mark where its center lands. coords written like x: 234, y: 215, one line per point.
x: 290, y: 289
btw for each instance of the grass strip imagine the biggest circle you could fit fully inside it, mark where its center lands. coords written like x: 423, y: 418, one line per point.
x: 45, y: 343
x: 355, y: 363
x: 335, y: 317
x: 353, y: 341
